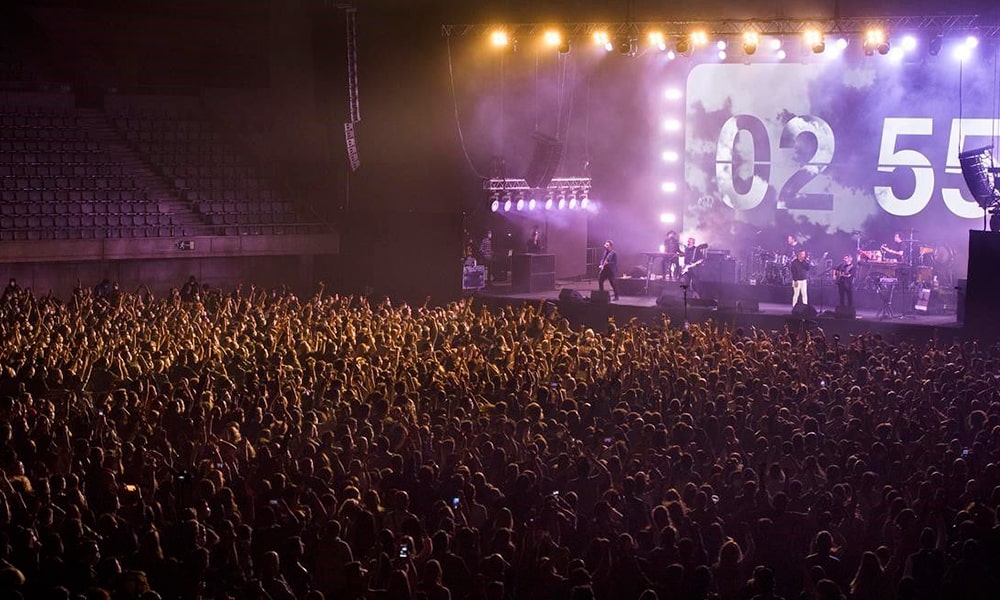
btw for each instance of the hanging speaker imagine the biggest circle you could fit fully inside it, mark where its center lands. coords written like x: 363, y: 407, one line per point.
x: 544, y: 161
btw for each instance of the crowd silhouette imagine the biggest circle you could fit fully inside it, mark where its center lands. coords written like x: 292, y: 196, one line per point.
x: 255, y: 445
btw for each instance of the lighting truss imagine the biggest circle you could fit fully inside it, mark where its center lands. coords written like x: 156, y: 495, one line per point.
x: 946, y: 25
x: 558, y: 184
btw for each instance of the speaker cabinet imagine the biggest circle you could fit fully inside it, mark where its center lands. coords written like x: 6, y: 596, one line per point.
x: 599, y: 297
x: 533, y: 272
x: 717, y: 269
x: 804, y: 311
x: 982, y: 293
x: 845, y: 312
x: 544, y: 162
x: 568, y: 295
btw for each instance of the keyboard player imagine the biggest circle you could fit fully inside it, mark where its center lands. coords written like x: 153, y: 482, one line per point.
x: 671, y: 251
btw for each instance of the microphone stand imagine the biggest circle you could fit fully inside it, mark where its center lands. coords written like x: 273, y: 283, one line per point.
x: 684, y: 287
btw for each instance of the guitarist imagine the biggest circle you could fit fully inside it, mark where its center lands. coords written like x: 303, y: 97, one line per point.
x: 694, y: 255
x: 609, y: 268
x: 844, y: 276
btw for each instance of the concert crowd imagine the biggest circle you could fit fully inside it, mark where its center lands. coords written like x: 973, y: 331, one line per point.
x: 255, y: 445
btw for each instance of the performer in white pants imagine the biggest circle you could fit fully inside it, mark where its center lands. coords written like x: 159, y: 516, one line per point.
x: 800, y: 278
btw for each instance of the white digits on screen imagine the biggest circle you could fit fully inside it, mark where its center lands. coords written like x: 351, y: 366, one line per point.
x: 814, y: 159
x: 742, y: 169
x: 890, y: 159
x: 961, y: 129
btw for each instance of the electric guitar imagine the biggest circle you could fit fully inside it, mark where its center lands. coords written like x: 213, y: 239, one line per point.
x: 687, y: 268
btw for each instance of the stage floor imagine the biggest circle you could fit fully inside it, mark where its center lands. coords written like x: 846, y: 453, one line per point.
x: 644, y: 308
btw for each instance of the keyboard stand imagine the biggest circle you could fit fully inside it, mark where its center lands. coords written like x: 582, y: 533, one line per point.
x: 886, y: 311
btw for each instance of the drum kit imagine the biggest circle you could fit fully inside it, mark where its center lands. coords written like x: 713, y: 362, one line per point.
x: 770, y: 268
x: 918, y: 266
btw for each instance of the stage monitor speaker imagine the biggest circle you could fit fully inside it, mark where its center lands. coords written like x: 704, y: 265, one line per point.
x: 933, y: 302
x: 703, y: 303
x: 845, y: 312
x: 741, y: 305
x: 669, y: 301
x: 570, y: 295
x: 544, y: 162
x: 599, y: 297
x: 804, y: 311
x: 638, y: 272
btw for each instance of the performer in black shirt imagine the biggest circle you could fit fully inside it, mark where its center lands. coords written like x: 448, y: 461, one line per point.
x: 844, y: 274
x: 671, y: 254
x: 793, y: 247
x: 609, y: 268
x: 535, y: 243
x: 800, y: 278
x: 894, y: 250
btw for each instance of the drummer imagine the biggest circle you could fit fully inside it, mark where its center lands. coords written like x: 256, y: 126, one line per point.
x: 894, y: 250
x: 793, y: 247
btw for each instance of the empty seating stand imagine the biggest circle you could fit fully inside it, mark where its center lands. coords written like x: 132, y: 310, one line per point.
x: 228, y: 193
x: 58, y: 183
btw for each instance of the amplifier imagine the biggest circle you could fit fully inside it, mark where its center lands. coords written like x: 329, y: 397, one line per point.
x: 474, y: 278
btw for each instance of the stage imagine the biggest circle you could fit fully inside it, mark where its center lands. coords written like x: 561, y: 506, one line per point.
x: 736, y: 305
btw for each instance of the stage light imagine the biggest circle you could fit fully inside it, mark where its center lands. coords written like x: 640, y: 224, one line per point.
x: 562, y: 202
x: 507, y: 204
x: 841, y: 43
x: 563, y: 47
x: 751, y: 39
x: 962, y: 52
x: 531, y: 204
x: 875, y: 39
x: 671, y: 55
x: 601, y: 39
x: 520, y: 204
x: 657, y: 39
x: 782, y: 55
x: 934, y: 46
x: 499, y: 38
x: 548, y: 203
x: 670, y: 156
x: 672, y: 125
x: 553, y: 38
x: 495, y: 204
x: 673, y: 94
x: 626, y: 46
x: 572, y: 202
x: 722, y: 55
x: 972, y: 42
x: 668, y: 218
x: 775, y: 44
x: 721, y: 45
x: 669, y: 187
x: 683, y: 47
x: 815, y: 40
x: 699, y: 37
x: 585, y: 202
x: 896, y: 54
x: 909, y: 43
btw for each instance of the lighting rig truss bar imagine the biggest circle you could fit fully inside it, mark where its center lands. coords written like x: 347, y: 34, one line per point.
x: 558, y: 184
x: 944, y: 25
